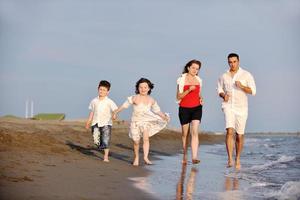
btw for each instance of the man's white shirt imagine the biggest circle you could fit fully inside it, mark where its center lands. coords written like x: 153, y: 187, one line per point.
x: 238, y: 100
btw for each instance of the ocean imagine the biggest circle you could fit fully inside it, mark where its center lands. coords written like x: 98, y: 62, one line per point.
x: 270, y: 170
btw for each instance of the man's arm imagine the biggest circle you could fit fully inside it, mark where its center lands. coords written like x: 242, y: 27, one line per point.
x: 246, y: 89
x: 224, y: 96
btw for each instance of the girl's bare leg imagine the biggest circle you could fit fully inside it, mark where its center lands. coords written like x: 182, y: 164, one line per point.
x: 136, y: 146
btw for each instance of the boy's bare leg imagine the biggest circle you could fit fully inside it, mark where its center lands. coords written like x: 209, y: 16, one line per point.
x: 136, y: 146
x: 229, y: 145
x: 239, y: 147
x: 106, y: 152
x: 146, y: 146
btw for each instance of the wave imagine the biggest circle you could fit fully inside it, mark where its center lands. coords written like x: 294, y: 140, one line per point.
x: 282, y: 159
x: 290, y: 190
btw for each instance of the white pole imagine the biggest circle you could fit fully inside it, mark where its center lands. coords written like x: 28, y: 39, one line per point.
x: 31, y: 109
x: 26, y: 109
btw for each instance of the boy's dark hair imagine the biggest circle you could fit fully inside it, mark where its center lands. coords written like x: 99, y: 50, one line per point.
x: 105, y: 84
x: 143, y: 80
x: 231, y: 55
x: 185, y: 69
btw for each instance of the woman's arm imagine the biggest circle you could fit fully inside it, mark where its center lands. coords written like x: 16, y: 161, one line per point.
x: 179, y: 95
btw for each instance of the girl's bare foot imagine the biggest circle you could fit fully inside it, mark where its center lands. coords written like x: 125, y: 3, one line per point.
x: 135, y: 162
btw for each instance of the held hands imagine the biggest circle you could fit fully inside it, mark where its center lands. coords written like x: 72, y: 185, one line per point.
x: 114, y: 115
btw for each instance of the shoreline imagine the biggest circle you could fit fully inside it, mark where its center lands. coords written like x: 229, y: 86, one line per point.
x: 57, y: 160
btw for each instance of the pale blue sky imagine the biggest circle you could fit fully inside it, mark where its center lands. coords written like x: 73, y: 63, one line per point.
x: 56, y: 52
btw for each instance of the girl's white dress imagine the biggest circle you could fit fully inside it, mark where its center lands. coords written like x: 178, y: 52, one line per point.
x: 143, y: 118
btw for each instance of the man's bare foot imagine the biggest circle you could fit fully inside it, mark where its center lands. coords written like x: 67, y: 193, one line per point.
x: 237, y: 165
x: 184, y: 159
x: 135, y: 162
x: 229, y: 164
x: 195, y: 161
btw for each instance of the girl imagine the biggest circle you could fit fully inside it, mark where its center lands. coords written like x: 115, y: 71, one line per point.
x: 146, y: 120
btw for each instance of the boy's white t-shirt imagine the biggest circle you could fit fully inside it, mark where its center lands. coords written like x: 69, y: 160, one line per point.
x: 102, y: 110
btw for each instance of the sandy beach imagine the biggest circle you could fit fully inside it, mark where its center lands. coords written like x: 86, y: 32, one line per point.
x: 57, y: 160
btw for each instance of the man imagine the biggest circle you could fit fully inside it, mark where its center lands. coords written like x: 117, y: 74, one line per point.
x: 233, y: 87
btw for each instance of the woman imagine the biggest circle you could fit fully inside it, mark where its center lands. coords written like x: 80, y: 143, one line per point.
x: 190, y: 107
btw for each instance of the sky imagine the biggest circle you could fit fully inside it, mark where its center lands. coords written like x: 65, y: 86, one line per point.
x: 55, y: 52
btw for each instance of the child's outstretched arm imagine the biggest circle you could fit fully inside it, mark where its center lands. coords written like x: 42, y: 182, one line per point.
x: 156, y: 110
x: 115, y: 112
x: 125, y: 105
x: 88, y: 122
x: 164, y: 116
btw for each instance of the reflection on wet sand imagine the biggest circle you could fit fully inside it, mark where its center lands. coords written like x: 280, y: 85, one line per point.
x: 231, y: 186
x: 190, y: 185
x: 231, y: 183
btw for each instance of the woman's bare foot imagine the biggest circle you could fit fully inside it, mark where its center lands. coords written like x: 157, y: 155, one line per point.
x: 229, y: 164
x: 237, y: 165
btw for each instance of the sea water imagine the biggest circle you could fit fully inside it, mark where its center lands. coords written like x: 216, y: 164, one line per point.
x: 270, y: 170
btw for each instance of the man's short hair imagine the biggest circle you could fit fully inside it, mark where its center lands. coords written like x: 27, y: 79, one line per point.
x: 233, y: 55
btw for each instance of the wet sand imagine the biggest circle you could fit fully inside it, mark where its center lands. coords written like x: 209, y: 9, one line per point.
x: 57, y: 160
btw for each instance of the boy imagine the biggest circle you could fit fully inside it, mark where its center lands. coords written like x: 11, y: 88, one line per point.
x: 100, y: 118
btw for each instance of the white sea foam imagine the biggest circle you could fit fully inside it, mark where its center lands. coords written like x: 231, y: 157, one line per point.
x: 219, y: 133
x: 282, y: 159
x: 262, y: 184
x: 142, y: 184
x: 290, y: 190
